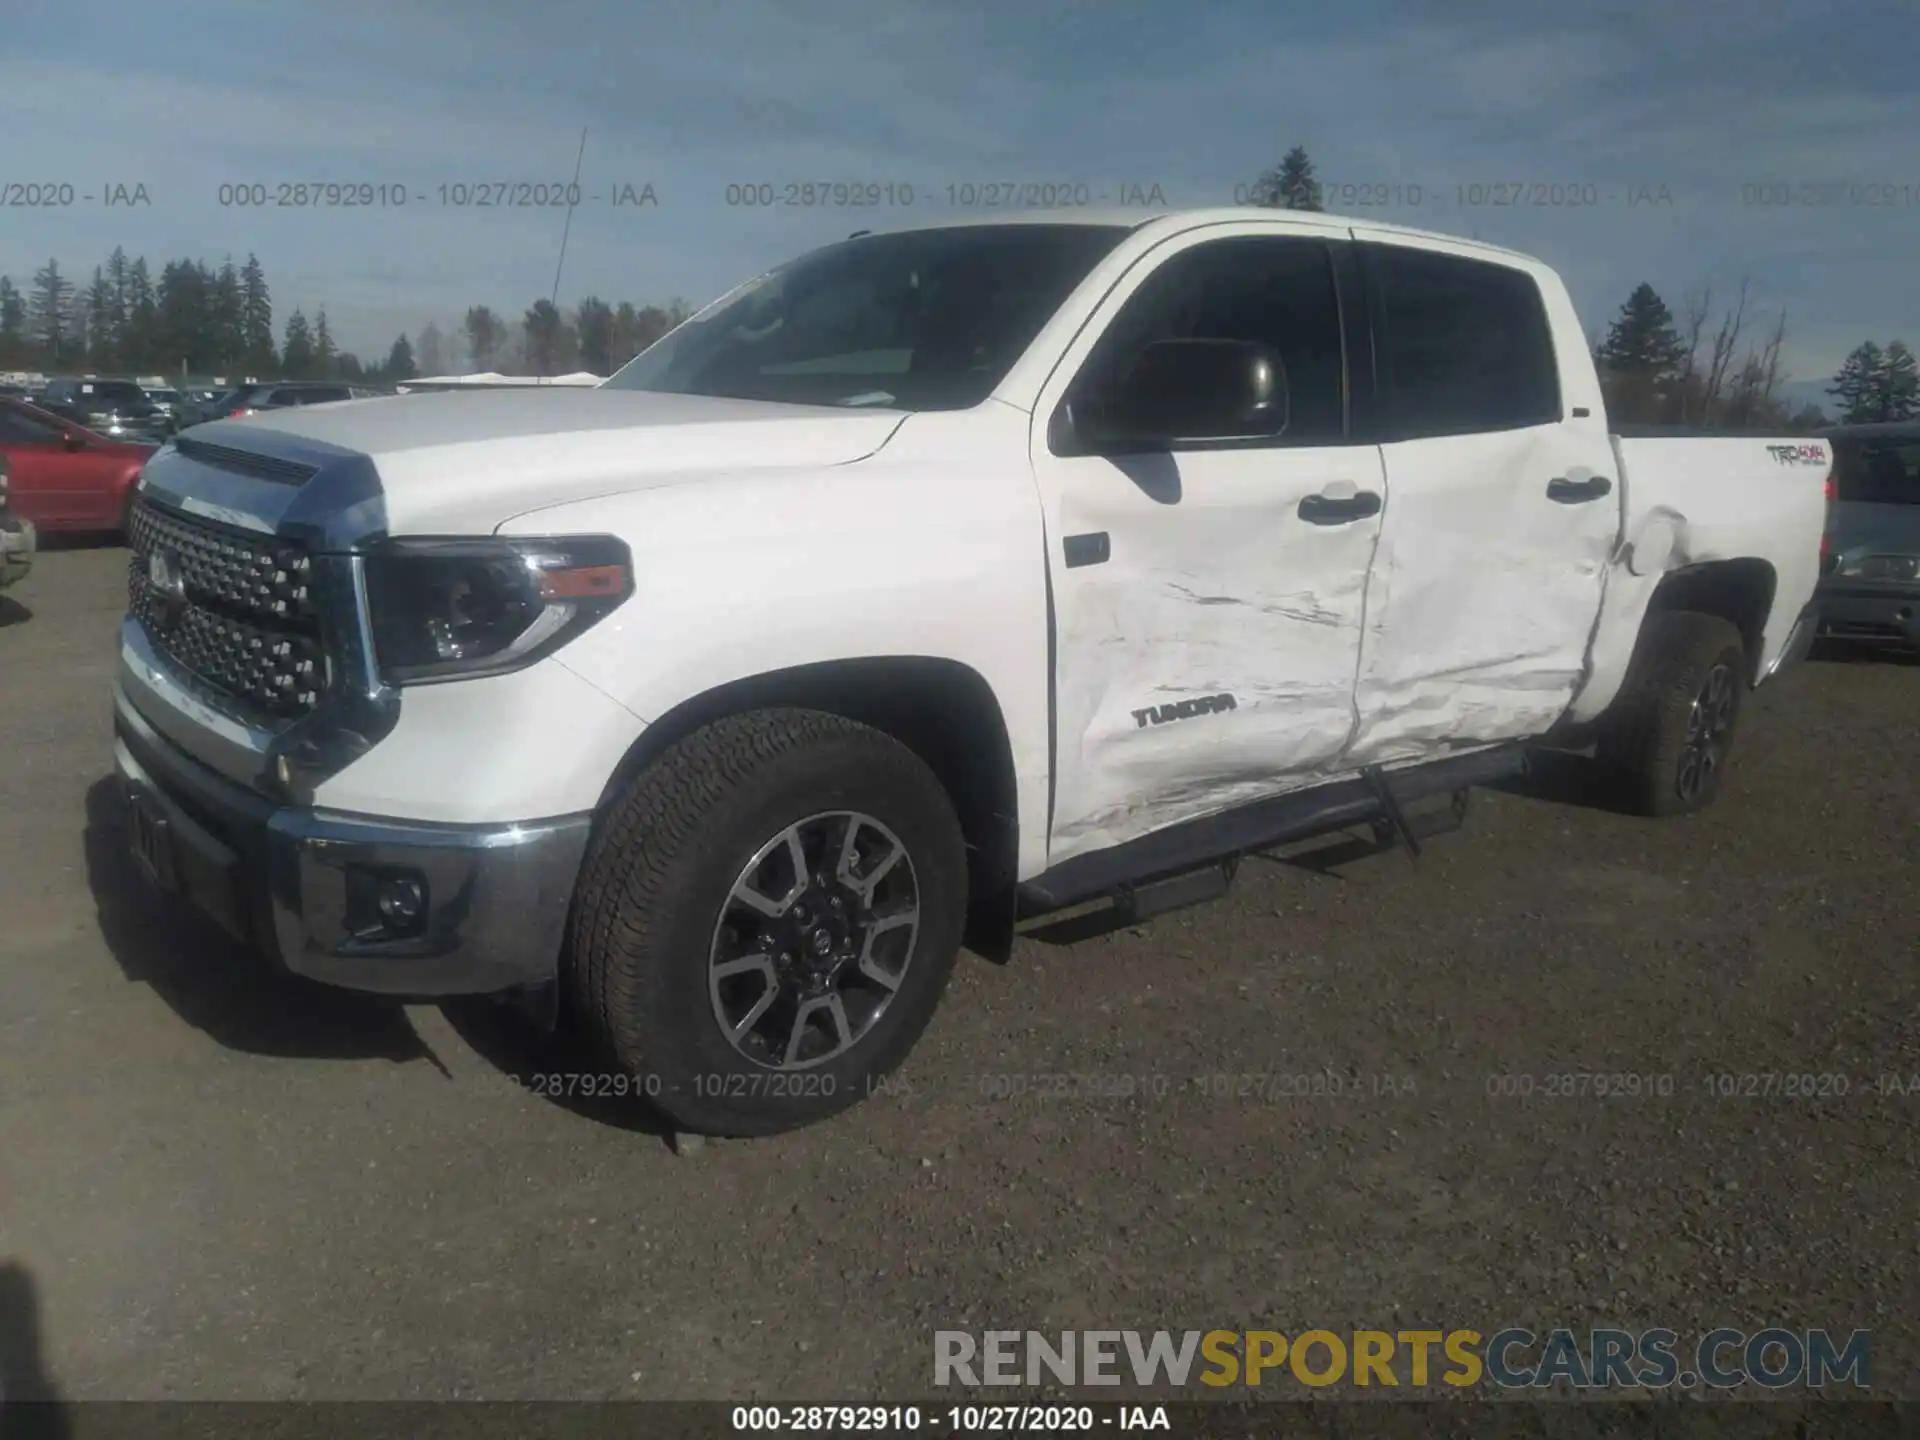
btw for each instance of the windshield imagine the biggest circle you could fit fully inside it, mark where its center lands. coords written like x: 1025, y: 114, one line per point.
x: 923, y: 320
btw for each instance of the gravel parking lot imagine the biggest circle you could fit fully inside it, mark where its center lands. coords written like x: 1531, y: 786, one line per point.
x: 214, y: 1184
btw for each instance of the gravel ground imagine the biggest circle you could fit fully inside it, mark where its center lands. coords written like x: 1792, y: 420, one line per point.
x: 214, y: 1184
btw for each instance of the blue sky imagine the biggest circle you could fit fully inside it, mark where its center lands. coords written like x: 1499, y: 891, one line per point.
x: 1702, y: 97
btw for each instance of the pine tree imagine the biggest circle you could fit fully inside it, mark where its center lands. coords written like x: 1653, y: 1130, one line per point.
x: 48, y: 312
x: 325, y: 352
x: 101, y: 351
x: 1642, y: 358
x: 620, y: 344
x: 138, y: 350
x: 594, y: 323
x: 256, y: 320
x: 430, y: 350
x: 399, y: 364
x: 229, y: 327
x: 484, y: 334
x: 1854, y: 389
x: 14, y: 345
x: 1289, y: 185
x: 118, y: 300
x: 296, y: 357
x: 1897, y: 387
x: 544, y: 321
x: 1642, y: 339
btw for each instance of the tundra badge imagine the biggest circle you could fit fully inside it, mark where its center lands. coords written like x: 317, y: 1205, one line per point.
x: 1183, y: 710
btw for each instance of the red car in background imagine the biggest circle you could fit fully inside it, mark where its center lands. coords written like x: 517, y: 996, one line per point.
x: 64, y: 477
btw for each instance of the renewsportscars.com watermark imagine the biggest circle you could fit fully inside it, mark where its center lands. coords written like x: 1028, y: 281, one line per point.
x: 1775, y: 1358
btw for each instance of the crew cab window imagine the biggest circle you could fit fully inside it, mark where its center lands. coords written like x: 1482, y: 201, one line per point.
x: 1879, y: 472
x: 1273, y: 290
x: 18, y: 428
x: 1467, y: 345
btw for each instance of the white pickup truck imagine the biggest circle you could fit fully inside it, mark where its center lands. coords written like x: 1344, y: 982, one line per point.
x: 938, y: 585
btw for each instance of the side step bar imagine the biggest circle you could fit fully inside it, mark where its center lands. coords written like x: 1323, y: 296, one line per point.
x: 1190, y: 863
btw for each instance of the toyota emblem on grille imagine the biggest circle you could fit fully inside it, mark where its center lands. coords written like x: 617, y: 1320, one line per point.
x: 163, y: 573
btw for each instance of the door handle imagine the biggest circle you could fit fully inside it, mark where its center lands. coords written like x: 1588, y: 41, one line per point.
x: 1339, y: 509
x: 1575, y: 492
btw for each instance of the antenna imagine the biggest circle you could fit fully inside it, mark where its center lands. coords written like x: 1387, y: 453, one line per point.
x: 567, y: 231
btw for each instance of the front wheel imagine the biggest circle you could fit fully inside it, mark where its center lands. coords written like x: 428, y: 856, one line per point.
x: 767, y: 918
x: 1673, y: 726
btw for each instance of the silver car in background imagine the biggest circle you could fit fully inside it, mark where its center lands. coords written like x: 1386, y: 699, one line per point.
x: 1870, y: 570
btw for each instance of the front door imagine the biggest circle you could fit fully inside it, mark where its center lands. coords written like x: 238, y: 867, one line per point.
x: 1208, y: 598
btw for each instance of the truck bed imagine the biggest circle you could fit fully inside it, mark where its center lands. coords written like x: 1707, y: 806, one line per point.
x: 1693, y: 498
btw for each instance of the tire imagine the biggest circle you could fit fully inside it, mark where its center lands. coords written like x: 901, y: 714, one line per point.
x: 1666, y: 746
x: 655, y: 910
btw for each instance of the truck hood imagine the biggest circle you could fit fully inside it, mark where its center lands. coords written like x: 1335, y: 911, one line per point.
x: 461, y: 462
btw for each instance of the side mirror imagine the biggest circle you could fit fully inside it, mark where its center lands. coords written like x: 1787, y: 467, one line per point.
x: 75, y: 440
x: 1195, y: 390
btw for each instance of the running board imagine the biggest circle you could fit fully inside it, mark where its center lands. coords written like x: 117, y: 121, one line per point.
x: 1421, y: 825
x: 1180, y: 855
x: 1132, y: 904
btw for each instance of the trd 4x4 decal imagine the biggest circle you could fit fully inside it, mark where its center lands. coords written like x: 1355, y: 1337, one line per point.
x: 1183, y: 710
x: 1798, y: 454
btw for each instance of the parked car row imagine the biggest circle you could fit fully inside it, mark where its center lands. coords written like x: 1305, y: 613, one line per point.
x: 248, y: 399
x: 117, y: 409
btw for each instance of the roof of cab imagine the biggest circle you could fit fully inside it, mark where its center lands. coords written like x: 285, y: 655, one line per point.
x: 1175, y: 220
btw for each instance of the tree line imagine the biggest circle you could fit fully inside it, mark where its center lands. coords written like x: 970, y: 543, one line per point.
x: 1706, y: 368
x: 197, y: 319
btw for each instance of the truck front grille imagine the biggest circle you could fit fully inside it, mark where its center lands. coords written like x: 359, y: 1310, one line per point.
x: 231, y: 607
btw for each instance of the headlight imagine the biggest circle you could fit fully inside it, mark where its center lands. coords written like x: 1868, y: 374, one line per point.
x: 1881, y: 567
x: 454, y: 609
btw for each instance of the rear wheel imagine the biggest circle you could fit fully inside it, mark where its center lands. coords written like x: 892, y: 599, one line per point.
x: 767, y: 920
x: 1673, y: 726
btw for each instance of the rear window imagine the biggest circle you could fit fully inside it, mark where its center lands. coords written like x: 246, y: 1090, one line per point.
x: 119, y: 392
x: 1878, y: 472
x: 1468, y: 345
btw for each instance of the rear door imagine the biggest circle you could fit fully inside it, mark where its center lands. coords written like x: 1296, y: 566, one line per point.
x: 1504, y: 509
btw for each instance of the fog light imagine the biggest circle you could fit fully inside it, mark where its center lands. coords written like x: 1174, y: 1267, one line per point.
x: 401, y: 901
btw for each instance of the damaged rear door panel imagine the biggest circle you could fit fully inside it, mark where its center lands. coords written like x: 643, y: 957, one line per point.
x: 1506, y: 505
x: 1206, y: 657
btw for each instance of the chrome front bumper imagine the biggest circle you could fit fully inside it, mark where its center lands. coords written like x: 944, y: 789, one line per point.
x: 305, y: 885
